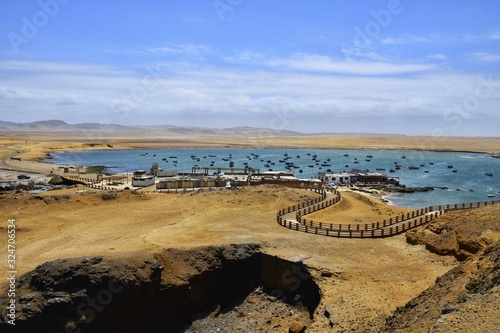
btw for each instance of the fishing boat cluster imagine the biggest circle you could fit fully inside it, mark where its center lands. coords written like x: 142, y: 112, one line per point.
x: 287, y: 166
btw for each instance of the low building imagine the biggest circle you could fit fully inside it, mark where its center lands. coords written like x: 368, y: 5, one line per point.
x: 372, y: 178
x: 159, y: 172
x: 337, y: 178
x: 141, y: 179
x: 283, y: 178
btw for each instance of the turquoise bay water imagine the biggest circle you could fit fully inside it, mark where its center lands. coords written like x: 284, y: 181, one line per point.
x: 468, y: 184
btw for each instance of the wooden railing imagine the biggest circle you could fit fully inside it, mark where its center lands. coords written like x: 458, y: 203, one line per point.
x: 386, y: 228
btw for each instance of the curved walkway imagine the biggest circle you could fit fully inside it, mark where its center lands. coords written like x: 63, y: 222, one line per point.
x: 293, y: 218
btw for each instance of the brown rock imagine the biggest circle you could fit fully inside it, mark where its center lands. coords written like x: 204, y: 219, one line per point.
x: 297, y: 327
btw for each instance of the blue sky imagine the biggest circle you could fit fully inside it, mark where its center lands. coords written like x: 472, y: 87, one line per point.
x: 396, y: 66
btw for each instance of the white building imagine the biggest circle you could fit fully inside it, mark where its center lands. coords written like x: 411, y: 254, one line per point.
x: 141, y: 179
x: 336, y: 178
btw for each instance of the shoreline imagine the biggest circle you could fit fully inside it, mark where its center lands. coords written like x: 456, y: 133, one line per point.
x: 30, y: 150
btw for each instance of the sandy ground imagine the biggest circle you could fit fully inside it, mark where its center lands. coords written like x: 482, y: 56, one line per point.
x: 371, y: 276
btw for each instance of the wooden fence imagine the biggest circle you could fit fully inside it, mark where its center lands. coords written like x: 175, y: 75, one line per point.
x: 386, y: 228
x: 305, y: 203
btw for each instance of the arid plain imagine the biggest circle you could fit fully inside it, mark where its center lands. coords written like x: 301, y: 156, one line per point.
x: 372, y: 277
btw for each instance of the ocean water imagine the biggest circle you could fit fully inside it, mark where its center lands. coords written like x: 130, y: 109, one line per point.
x: 469, y: 182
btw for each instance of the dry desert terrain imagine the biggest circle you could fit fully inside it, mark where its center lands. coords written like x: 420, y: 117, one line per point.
x: 371, y: 277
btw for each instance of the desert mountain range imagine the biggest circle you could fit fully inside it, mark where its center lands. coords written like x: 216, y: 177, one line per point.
x: 61, y: 126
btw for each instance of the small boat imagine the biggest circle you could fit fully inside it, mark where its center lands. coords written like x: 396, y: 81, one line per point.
x: 403, y: 156
x: 491, y: 195
x: 426, y: 171
x: 454, y: 170
x: 411, y: 167
x: 380, y: 169
x: 450, y: 166
x: 369, y: 156
x: 346, y: 155
x: 489, y: 174
x: 392, y: 170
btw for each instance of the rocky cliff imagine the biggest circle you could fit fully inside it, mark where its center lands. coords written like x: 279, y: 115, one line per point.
x: 467, y: 298
x: 129, y: 293
x: 137, y: 292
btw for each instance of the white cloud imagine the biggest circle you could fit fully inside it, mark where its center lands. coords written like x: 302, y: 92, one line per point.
x: 305, y: 100
x: 407, y: 39
x: 485, y: 57
x: 494, y: 35
x: 437, y: 56
x: 183, y: 49
x: 318, y: 63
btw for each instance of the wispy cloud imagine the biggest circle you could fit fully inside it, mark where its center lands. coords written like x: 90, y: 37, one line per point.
x: 494, y: 35
x: 319, y: 63
x: 183, y: 49
x: 485, y: 57
x: 437, y: 56
x: 407, y: 39
x: 201, y: 95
